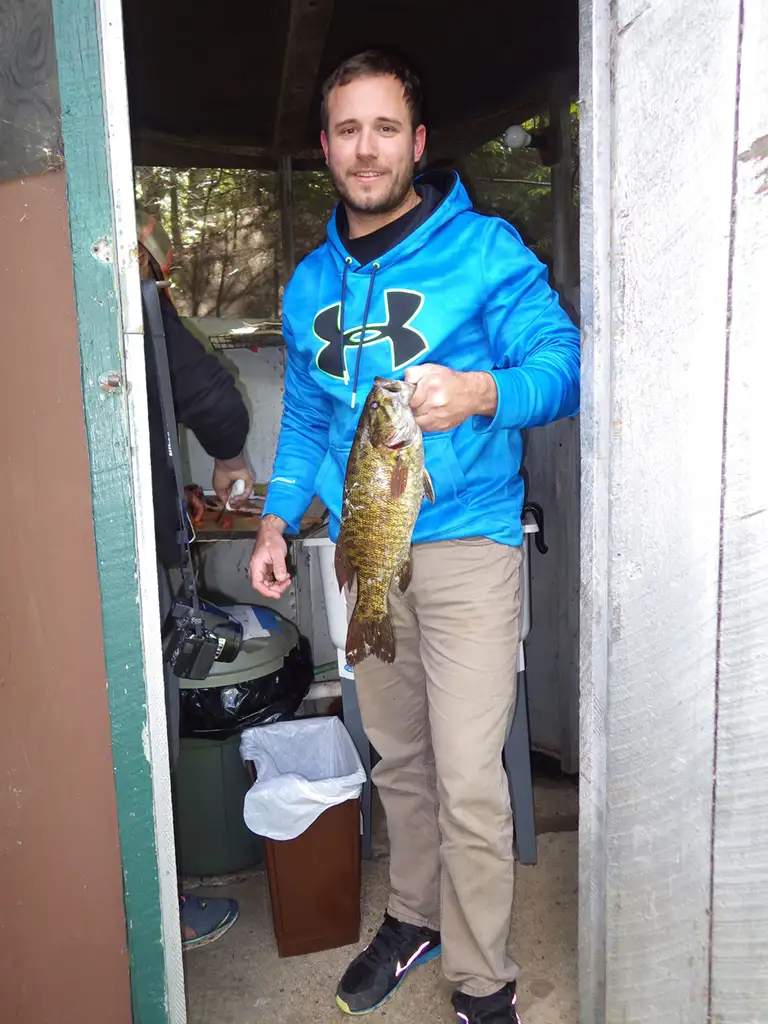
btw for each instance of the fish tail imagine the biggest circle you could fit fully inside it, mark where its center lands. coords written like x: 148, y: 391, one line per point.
x: 368, y: 635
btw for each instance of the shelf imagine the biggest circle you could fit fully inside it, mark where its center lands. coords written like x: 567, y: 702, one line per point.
x: 226, y: 334
x: 246, y: 524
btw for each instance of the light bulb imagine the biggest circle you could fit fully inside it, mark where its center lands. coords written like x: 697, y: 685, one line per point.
x: 516, y: 137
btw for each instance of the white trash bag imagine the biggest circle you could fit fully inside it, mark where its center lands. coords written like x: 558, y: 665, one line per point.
x: 302, y: 768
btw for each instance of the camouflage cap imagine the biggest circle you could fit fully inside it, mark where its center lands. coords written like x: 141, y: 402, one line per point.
x: 153, y: 237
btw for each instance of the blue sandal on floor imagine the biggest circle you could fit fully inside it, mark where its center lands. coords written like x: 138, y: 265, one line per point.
x: 204, y: 921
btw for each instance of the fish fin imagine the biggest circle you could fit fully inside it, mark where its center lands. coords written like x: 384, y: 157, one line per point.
x: 404, y: 573
x: 366, y: 636
x: 429, y: 488
x: 399, y: 480
x: 345, y: 574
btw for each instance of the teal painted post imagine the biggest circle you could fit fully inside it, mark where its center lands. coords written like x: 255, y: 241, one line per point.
x: 106, y: 416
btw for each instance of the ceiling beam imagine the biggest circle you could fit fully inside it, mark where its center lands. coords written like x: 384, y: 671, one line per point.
x: 308, y: 26
x: 162, y: 149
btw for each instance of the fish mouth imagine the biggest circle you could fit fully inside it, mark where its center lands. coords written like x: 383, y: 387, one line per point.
x: 400, y: 431
x: 395, y: 387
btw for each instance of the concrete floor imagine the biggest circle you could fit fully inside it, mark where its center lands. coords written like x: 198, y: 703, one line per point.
x: 241, y: 980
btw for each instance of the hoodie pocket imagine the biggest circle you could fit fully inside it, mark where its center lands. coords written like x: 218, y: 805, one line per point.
x: 329, y: 481
x: 447, y: 475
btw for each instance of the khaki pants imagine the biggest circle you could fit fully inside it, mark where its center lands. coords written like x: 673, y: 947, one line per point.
x: 439, y: 717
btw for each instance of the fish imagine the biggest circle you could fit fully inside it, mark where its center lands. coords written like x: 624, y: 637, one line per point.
x: 385, y: 484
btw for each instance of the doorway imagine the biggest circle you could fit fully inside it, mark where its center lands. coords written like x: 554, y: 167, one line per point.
x: 188, y: 149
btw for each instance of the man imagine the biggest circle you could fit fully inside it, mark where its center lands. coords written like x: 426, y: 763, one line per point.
x: 455, y: 303
x: 207, y: 401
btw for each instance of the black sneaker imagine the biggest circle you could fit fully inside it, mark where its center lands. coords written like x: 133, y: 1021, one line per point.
x: 499, y: 1008
x: 379, y: 970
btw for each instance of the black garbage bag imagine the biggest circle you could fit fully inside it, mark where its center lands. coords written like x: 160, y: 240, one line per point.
x: 219, y: 712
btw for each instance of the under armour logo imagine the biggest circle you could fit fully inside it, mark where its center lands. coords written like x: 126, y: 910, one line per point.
x: 407, y: 343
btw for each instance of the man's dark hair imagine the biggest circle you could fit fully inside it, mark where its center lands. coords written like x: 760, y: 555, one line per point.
x: 371, y: 64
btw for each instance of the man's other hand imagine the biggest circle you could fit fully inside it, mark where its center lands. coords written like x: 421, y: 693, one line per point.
x: 224, y: 475
x: 268, y: 572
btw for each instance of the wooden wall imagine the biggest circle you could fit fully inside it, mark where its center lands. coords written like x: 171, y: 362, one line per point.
x: 674, y: 638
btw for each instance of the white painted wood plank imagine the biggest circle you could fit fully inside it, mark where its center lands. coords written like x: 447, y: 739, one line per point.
x: 674, y: 78
x: 125, y: 255
x: 740, y: 910
x: 595, y: 144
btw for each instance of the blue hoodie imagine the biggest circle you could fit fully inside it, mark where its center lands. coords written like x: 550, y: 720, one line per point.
x: 463, y: 291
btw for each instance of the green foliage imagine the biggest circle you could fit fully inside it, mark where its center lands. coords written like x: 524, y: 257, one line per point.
x: 225, y: 225
x: 515, y: 185
x: 225, y: 228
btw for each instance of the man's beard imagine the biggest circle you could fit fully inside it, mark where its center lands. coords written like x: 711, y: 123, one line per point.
x: 395, y: 197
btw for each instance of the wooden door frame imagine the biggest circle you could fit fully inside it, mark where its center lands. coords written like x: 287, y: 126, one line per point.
x: 595, y: 20
x: 674, y: 564
x: 99, y: 169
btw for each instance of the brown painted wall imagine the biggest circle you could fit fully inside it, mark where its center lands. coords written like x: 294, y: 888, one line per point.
x: 63, y: 956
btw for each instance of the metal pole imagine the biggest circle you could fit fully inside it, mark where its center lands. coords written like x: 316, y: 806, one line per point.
x: 285, y: 173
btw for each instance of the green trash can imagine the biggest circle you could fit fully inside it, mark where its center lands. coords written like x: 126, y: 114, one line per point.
x: 210, y: 785
x: 210, y: 781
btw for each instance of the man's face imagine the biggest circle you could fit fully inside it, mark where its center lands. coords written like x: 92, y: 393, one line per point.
x: 370, y: 147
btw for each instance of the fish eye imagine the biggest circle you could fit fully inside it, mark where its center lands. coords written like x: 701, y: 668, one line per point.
x: 374, y: 405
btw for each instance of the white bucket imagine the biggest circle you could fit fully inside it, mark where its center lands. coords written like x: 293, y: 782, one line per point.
x: 335, y: 602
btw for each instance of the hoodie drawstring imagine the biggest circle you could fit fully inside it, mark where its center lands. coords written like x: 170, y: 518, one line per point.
x: 347, y: 262
x: 363, y: 329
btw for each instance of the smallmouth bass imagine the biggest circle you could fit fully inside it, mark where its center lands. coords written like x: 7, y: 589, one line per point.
x: 385, y: 484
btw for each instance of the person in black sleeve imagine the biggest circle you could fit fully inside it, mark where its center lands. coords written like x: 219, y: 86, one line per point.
x: 208, y: 403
